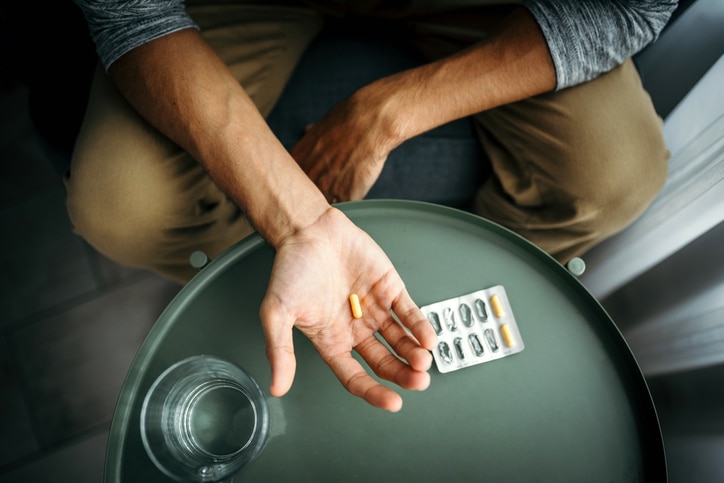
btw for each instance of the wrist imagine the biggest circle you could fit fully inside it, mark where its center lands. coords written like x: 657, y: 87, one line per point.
x: 326, y: 225
x: 387, y: 103
x: 411, y: 102
x: 289, y: 205
x: 251, y: 166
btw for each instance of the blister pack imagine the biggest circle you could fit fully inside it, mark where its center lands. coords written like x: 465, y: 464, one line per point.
x: 473, y: 328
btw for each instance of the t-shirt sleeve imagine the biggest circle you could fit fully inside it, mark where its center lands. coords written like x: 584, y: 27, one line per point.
x: 118, y: 26
x: 589, y: 37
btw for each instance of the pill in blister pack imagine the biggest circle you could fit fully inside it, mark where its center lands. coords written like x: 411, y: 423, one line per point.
x: 473, y: 328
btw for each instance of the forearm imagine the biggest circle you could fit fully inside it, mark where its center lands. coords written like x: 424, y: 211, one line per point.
x: 511, y: 64
x: 183, y: 89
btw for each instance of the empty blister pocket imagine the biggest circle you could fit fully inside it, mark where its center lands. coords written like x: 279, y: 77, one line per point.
x: 487, y: 329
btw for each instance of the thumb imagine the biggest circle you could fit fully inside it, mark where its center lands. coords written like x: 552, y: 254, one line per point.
x: 279, y: 351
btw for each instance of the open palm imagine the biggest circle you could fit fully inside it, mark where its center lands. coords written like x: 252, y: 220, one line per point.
x: 313, y: 275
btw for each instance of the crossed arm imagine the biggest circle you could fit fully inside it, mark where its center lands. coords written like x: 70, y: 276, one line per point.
x: 345, y: 151
x: 321, y: 257
x: 545, y: 45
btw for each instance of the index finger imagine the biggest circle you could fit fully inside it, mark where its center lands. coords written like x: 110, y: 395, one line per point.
x: 412, y: 317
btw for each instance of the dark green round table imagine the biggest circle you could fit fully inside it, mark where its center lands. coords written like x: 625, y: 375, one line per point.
x: 572, y: 407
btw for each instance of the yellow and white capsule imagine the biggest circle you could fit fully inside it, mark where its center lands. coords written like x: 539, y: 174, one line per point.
x: 354, y: 304
x: 497, y: 306
x: 507, y: 334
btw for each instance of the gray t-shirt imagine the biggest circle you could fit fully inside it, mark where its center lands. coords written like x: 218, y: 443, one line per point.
x: 585, y: 37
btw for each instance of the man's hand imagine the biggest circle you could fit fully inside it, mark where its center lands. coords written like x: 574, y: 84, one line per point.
x: 346, y: 150
x: 314, y: 273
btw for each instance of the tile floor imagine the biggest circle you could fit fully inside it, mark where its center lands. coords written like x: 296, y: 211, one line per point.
x: 70, y: 320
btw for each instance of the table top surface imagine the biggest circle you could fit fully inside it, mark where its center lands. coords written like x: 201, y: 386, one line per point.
x: 572, y: 406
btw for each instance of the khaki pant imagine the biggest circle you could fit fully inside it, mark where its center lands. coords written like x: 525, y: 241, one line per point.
x: 569, y: 168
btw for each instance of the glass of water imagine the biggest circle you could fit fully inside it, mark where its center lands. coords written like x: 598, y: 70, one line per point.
x: 203, y: 419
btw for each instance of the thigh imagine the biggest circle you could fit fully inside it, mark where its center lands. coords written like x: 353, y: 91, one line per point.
x: 137, y: 197
x: 575, y: 166
x: 570, y: 168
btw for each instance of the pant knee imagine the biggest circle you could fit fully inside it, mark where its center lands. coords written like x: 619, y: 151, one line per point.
x: 568, y: 218
x: 157, y: 229
x: 575, y: 166
x: 626, y: 188
x: 116, y: 229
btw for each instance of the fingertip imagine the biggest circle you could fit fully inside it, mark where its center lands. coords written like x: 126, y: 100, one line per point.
x: 425, y: 382
x: 396, y: 407
x: 393, y: 403
x: 384, y: 398
x: 418, y: 381
x: 279, y: 388
x: 283, y: 368
x: 423, y: 361
x: 427, y: 337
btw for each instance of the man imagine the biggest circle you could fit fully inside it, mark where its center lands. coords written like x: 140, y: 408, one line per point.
x: 164, y: 168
